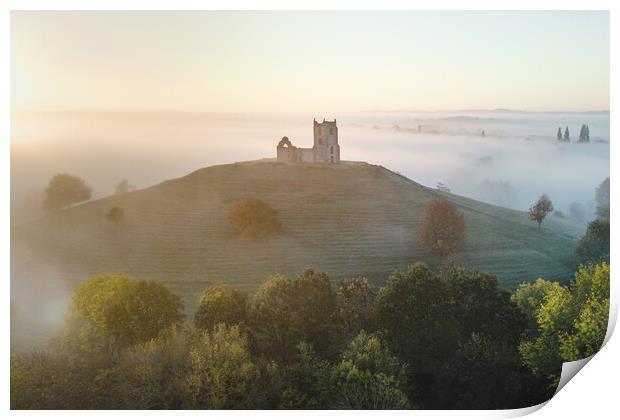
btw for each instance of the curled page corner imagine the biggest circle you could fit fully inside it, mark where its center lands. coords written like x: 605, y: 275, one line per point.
x: 520, y: 412
x: 569, y: 370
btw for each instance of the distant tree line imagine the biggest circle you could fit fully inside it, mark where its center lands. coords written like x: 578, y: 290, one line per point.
x: 448, y: 339
x: 584, y: 134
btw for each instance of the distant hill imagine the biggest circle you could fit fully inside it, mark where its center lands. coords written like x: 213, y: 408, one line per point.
x: 347, y: 220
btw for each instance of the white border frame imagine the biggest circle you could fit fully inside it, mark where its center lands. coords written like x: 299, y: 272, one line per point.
x: 592, y: 395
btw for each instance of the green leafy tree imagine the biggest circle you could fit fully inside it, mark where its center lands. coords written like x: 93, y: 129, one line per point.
x: 369, y: 353
x: 307, y: 384
x: 367, y: 377
x: 539, y: 210
x: 482, y: 308
x: 43, y: 380
x: 152, y: 375
x: 441, y: 228
x: 426, y: 318
x: 489, y: 327
x: 286, y: 312
x: 591, y: 297
x: 487, y: 374
x: 594, y: 245
x: 356, y: 389
x: 415, y: 314
x: 572, y: 323
x: 221, y: 370
x: 356, y: 306
x: 602, y: 199
x: 64, y: 190
x: 124, y: 310
x: 603, y: 212
x: 253, y: 218
x: 272, y: 320
x: 530, y: 297
x: 602, y: 192
x: 221, y: 303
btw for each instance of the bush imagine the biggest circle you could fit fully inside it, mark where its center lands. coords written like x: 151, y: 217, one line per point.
x: 115, y: 215
x: 253, y: 218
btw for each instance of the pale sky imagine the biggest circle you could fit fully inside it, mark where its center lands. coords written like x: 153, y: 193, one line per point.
x: 309, y: 61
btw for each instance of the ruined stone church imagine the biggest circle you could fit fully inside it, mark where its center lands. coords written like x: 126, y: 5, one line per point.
x: 324, y: 150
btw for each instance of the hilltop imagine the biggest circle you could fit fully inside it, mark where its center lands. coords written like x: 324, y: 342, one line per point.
x: 347, y: 220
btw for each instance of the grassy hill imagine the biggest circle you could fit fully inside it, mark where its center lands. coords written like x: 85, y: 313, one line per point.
x: 347, y: 220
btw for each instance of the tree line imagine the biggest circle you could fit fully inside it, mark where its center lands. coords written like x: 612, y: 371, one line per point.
x: 427, y: 339
x: 584, y: 134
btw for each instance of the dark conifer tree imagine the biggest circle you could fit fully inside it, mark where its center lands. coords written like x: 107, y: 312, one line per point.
x: 560, y: 133
x: 566, y: 134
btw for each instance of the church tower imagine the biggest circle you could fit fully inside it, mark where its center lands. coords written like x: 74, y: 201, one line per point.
x: 326, y: 148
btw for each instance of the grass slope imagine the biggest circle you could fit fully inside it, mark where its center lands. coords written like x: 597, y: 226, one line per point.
x: 347, y: 220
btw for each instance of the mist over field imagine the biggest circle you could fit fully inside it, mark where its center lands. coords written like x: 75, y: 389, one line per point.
x: 517, y: 159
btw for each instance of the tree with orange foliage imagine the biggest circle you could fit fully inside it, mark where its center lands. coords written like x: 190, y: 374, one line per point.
x: 253, y: 218
x: 442, y: 227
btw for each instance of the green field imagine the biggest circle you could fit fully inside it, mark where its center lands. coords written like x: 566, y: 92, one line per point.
x: 347, y: 220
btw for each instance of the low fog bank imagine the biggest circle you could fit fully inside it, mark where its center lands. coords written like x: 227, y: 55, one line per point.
x: 517, y: 159
x: 39, y: 299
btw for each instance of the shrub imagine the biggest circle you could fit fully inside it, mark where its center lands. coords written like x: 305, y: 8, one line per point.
x: 115, y: 215
x: 253, y: 218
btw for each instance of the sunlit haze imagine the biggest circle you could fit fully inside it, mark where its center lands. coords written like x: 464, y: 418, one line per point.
x: 309, y: 61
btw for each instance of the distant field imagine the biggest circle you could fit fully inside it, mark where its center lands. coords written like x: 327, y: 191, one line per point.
x: 347, y: 220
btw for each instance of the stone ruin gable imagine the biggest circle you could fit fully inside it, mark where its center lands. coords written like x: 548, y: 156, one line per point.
x: 325, y: 149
